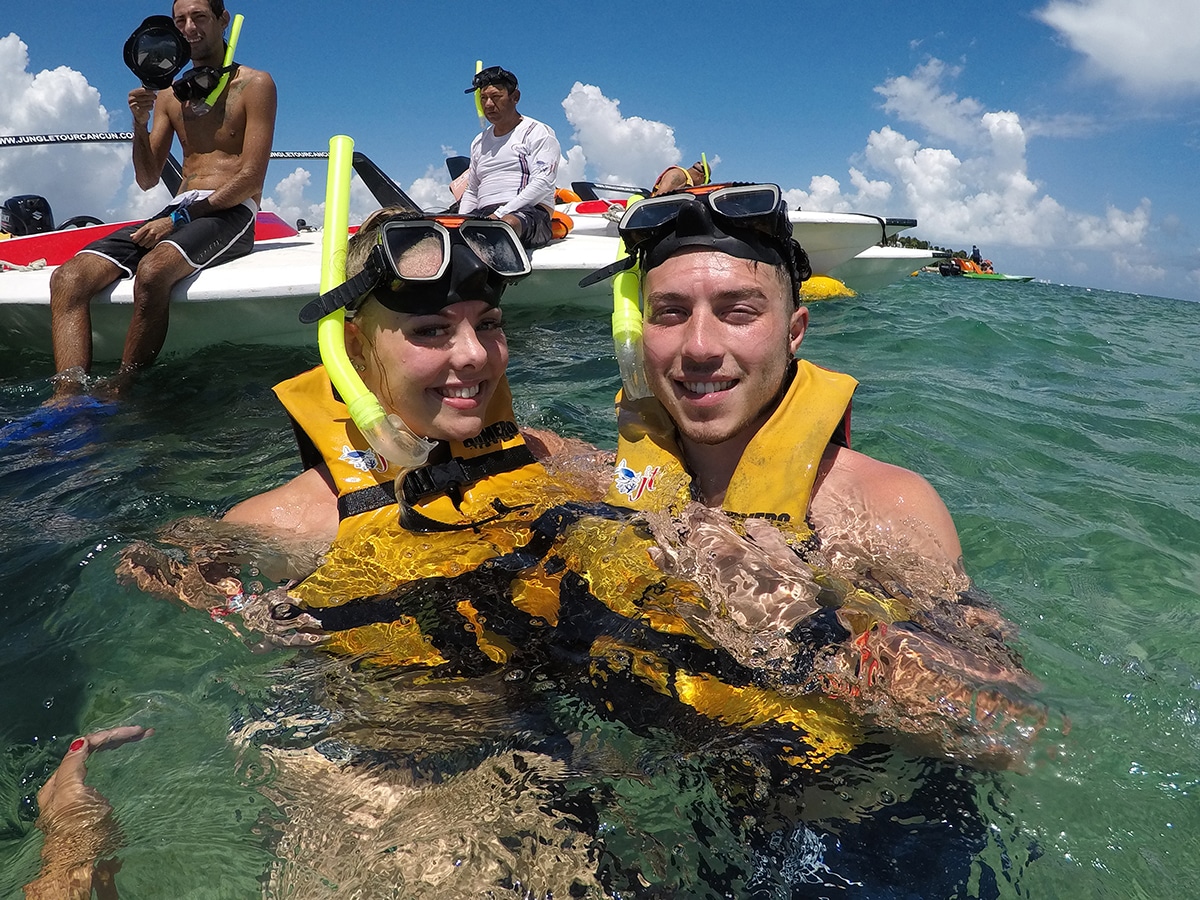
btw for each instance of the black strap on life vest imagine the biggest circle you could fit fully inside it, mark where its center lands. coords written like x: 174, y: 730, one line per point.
x: 432, y: 480
x: 366, y: 499
x: 455, y: 474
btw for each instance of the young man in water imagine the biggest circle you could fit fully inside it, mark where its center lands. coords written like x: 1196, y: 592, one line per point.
x: 514, y: 162
x: 752, y: 429
x: 211, y: 220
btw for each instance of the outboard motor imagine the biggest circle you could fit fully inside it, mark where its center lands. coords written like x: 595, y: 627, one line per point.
x: 26, y: 214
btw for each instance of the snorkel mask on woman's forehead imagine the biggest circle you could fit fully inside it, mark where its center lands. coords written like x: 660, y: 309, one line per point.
x: 748, y: 221
x: 422, y: 265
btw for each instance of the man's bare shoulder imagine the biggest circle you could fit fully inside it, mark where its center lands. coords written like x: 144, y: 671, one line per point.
x: 246, y: 74
x: 253, y: 86
x: 856, y: 492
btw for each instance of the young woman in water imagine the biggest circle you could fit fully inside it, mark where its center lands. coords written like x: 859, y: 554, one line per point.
x: 424, y: 333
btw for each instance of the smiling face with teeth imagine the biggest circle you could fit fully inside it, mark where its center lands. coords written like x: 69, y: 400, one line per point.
x: 719, y: 335
x: 437, y: 372
x: 203, y: 29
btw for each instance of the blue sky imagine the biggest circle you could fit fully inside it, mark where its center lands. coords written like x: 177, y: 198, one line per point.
x: 1062, y: 136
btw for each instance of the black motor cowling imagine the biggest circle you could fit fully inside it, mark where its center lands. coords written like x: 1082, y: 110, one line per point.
x: 26, y: 214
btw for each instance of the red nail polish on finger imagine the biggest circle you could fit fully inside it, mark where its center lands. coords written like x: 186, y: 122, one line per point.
x: 77, y: 744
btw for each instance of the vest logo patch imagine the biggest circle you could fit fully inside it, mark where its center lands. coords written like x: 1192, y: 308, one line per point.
x: 493, y: 434
x: 634, y: 484
x: 363, y: 460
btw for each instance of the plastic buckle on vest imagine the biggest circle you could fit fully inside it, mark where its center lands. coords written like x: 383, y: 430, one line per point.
x: 429, y: 481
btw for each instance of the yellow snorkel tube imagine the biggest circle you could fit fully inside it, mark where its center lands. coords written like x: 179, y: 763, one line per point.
x: 479, y: 98
x: 387, y: 434
x: 627, y: 325
x: 205, y: 105
x: 235, y: 32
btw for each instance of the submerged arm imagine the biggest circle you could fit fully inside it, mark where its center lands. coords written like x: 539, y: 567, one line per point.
x: 77, y: 822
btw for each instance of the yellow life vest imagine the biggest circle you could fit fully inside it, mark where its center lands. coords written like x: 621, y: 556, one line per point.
x: 567, y: 590
x: 775, y: 476
x: 521, y: 571
x: 551, y: 585
x: 462, y: 485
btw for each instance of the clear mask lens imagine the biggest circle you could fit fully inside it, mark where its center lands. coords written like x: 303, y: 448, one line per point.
x: 495, y: 245
x: 745, y: 202
x: 418, y: 251
x: 156, y: 52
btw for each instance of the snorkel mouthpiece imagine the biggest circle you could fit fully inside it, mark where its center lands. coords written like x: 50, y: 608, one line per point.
x: 388, y: 435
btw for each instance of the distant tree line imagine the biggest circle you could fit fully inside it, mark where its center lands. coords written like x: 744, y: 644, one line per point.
x: 903, y: 240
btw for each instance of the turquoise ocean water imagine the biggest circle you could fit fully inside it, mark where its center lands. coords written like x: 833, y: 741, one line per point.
x: 1060, y: 425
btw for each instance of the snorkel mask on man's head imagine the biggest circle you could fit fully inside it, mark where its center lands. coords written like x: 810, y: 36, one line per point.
x: 748, y: 221
x: 420, y: 265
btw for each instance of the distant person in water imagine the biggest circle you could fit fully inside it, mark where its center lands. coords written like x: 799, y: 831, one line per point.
x: 514, y: 162
x: 211, y: 220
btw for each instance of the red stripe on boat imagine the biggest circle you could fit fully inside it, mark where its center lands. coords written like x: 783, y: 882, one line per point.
x: 56, y: 247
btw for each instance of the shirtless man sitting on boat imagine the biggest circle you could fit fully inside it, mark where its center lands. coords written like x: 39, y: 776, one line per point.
x: 226, y: 143
x: 514, y: 162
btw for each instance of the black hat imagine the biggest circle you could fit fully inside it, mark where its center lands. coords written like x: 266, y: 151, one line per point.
x: 156, y: 52
x: 492, y: 75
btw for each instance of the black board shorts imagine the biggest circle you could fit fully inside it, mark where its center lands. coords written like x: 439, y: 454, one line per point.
x: 205, y: 241
x: 535, y: 223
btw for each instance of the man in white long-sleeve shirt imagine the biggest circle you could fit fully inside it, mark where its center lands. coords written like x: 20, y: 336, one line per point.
x: 514, y: 162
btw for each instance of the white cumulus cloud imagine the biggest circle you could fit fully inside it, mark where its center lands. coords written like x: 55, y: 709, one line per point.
x: 1147, y: 46
x: 80, y: 179
x: 978, y: 189
x: 614, y: 148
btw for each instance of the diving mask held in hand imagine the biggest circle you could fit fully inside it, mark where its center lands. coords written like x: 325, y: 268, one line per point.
x: 421, y: 266
x: 156, y: 52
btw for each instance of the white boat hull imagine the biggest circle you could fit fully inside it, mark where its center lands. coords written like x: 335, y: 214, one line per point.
x: 256, y: 299
x: 877, y: 267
